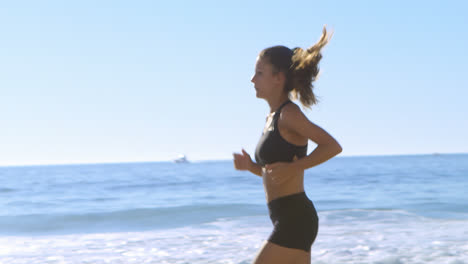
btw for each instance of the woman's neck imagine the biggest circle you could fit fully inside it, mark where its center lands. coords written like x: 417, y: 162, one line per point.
x: 276, y: 102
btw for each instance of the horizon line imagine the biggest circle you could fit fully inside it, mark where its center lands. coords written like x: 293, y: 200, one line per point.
x: 212, y: 160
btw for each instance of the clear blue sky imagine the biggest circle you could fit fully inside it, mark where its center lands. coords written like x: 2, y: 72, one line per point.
x: 111, y: 81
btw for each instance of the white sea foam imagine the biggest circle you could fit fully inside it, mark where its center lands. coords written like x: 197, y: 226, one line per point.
x: 390, y: 237
x: 377, y: 237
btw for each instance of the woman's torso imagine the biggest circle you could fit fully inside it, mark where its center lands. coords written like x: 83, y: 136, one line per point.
x: 275, y: 146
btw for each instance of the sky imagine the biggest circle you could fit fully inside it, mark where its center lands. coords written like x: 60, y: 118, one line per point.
x: 128, y: 81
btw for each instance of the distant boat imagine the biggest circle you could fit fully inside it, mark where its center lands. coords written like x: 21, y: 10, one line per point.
x: 181, y: 159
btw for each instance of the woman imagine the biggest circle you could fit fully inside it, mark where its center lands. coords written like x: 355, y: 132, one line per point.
x: 281, y: 154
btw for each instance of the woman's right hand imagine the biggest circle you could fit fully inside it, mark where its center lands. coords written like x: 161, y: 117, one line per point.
x: 242, y: 161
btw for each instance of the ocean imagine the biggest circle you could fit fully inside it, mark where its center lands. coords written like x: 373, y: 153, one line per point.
x: 376, y: 209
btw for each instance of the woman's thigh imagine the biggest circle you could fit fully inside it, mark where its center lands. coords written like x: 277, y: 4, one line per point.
x: 274, y: 254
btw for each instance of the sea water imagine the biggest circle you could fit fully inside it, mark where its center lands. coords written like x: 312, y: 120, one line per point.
x: 382, y: 210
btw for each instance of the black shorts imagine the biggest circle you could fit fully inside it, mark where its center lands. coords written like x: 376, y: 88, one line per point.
x: 295, y: 221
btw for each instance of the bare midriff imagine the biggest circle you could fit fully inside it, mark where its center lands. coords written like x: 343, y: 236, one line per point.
x: 294, y: 184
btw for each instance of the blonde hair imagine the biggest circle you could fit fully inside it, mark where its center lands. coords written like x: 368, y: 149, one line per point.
x: 300, y: 67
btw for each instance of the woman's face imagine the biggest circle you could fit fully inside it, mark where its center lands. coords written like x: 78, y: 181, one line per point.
x: 265, y: 80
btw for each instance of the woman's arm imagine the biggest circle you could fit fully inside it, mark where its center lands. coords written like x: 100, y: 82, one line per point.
x: 319, y: 155
x: 294, y: 120
x: 244, y: 162
x: 256, y: 169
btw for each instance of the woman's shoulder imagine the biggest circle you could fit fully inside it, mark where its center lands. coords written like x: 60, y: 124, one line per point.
x: 290, y: 110
x: 291, y: 115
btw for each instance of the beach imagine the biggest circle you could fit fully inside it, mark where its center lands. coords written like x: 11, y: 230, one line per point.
x: 376, y: 209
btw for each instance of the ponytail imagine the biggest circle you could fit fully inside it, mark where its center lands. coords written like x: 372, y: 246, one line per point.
x: 304, y: 71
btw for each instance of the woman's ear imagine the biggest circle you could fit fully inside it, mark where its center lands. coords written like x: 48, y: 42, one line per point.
x: 280, y: 77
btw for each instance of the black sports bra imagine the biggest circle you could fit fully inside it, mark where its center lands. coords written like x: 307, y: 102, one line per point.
x: 272, y: 147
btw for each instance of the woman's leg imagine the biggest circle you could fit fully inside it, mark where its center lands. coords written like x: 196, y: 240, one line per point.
x: 274, y: 254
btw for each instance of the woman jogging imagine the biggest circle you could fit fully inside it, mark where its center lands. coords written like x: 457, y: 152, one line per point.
x: 282, y: 74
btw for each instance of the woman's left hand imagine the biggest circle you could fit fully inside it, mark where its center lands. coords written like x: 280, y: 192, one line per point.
x: 279, y: 172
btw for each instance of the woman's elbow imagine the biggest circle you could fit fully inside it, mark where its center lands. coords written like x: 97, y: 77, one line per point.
x: 337, y: 148
x: 332, y: 147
